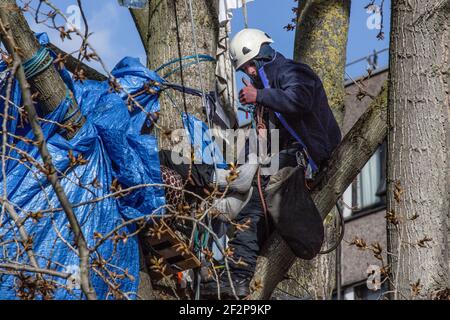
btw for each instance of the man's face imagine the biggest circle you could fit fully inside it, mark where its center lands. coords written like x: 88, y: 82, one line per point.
x: 250, y: 69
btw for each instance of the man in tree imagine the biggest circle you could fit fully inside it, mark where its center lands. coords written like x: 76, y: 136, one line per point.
x: 289, y: 97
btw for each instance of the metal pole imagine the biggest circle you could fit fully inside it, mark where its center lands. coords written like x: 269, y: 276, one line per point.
x: 244, y: 9
x: 338, y: 274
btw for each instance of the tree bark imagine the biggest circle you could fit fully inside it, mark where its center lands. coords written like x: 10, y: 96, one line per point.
x: 158, y: 25
x: 418, y: 148
x: 321, y: 42
x: 48, y: 84
x: 346, y: 162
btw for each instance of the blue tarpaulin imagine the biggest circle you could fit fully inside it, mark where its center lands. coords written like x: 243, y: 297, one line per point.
x: 206, y: 150
x: 112, y: 143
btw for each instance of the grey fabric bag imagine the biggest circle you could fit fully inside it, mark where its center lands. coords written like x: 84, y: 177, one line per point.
x: 294, y: 213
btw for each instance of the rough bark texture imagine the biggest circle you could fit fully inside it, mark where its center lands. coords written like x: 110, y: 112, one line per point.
x: 418, y: 149
x: 48, y: 84
x: 158, y: 26
x: 321, y: 42
x: 345, y: 164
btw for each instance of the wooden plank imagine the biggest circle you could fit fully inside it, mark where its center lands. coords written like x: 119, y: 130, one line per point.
x: 169, y: 242
x: 191, y: 263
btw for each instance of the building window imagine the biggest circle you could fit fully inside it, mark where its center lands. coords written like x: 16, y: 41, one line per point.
x: 369, y: 188
x: 361, y: 292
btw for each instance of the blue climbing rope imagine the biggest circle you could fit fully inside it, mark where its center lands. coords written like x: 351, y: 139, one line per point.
x: 38, y: 63
x: 69, y: 98
x: 198, y: 58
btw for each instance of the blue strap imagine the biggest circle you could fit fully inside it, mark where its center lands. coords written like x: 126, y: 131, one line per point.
x: 311, y: 162
x: 283, y: 121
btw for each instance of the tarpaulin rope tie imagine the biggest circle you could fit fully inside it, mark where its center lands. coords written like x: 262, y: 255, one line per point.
x: 74, y: 112
x: 38, y: 63
x: 69, y: 98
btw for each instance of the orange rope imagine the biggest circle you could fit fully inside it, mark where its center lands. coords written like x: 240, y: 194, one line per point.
x: 260, y: 126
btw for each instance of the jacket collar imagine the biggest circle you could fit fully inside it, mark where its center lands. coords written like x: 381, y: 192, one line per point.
x: 271, y: 66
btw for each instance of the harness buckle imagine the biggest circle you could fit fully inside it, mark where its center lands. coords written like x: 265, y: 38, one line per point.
x: 301, y: 159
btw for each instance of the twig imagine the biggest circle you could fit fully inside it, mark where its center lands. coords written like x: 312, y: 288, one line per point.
x: 22, y: 267
x: 43, y: 150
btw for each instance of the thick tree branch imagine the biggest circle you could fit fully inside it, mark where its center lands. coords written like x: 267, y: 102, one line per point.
x: 48, y: 84
x: 347, y: 161
x: 321, y: 42
x: 39, y: 271
x: 141, y: 20
x: 73, y: 64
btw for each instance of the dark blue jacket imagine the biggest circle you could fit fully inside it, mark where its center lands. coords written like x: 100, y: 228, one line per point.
x: 298, y: 94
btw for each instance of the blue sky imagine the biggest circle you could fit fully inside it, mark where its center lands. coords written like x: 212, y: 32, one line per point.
x: 115, y: 36
x: 264, y: 14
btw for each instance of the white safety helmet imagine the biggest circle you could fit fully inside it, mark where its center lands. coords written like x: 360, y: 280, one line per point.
x: 246, y: 45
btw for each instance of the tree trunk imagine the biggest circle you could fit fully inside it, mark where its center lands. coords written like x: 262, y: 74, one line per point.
x: 418, y: 180
x: 158, y: 25
x: 48, y: 84
x: 321, y: 42
x: 346, y: 162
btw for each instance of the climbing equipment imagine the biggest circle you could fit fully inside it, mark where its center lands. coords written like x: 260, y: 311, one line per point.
x: 312, y: 164
x: 198, y: 58
x: 341, y: 231
x: 261, y: 130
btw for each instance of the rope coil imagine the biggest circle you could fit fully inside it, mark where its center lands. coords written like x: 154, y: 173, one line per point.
x: 38, y: 63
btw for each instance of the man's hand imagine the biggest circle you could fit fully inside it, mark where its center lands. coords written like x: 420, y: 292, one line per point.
x: 248, y: 94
